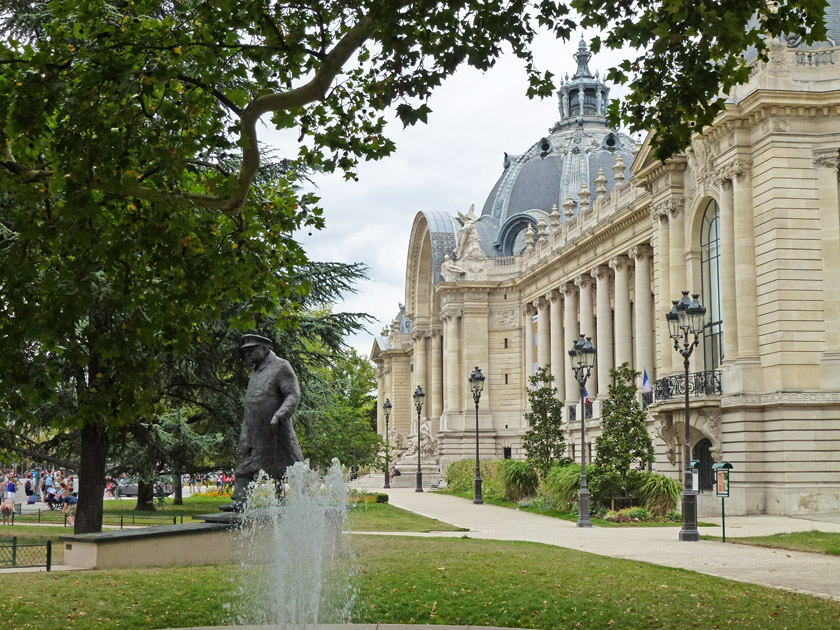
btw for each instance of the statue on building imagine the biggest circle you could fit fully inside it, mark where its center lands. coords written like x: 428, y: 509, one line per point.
x: 468, y: 254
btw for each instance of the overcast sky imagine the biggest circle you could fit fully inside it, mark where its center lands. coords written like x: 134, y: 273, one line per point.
x: 447, y: 164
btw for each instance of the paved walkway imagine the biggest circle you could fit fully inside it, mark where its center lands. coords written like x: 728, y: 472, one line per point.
x: 814, y: 574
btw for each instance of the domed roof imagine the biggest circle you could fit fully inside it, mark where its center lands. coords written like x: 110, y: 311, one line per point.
x: 580, y: 149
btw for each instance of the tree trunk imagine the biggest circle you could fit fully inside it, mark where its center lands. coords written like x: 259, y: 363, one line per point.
x: 93, y: 453
x: 145, y: 496
x: 177, y: 488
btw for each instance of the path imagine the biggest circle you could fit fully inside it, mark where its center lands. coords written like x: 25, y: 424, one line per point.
x: 810, y: 573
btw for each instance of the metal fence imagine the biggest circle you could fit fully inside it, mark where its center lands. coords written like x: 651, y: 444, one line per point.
x: 699, y: 384
x: 57, y: 517
x: 15, y: 554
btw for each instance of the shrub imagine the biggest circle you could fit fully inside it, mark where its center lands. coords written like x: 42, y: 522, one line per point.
x: 674, y: 516
x: 659, y: 493
x: 461, y: 474
x: 562, y: 484
x: 519, y: 479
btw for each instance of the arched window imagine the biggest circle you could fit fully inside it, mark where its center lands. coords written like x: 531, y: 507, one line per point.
x: 710, y: 271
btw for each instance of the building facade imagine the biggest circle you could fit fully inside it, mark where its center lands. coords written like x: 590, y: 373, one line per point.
x: 587, y: 233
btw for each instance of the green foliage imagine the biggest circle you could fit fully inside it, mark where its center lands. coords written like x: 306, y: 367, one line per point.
x: 689, y: 56
x: 461, y: 474
x: 659, y: 493
x: 335, y: 416
x: 624, y: 437
x: 562, y: 484
x: 519, y: 479
x: 544, y: 440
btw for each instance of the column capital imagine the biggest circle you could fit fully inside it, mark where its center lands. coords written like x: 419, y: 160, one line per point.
x: 600, y: 272
x: 620, y: 262
x: 828, y: 159
x: 421, y: 333
x: 450, y: 312
x: 568, y: 288
x: 670, y: 207
x: 436, y: 333
x: 640, y: 251
x: 735, y: 170
x: 553, y: 296
x: 583, y: 280
x: 539, y: 302
x: 656, y: 214
x: 529, y: 309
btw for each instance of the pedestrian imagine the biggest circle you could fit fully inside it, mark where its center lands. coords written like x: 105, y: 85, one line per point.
x: 8, y: 509
x: 11, y: 486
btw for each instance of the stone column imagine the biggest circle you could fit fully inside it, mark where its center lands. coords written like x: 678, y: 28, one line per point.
x: 543, y: 332
x: 421, y: 376
x: 623, y: 326
x: 676, y: 242
x: 745, y: 283
x: 475, y: 343
x: 828, y: 172
x: 557, y: 363
x: 436, y: 375
x: 641, y: 254
x: 728, y: 295
x: 570, y: 327
x: 451, y: 385
x: 380, y: 400
x: 662, y: 273
x: 529, y: 343
x: 587, y: 321
x: 601, y: 273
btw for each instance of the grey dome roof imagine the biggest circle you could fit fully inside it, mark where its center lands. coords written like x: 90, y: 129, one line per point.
x: 577, y: 147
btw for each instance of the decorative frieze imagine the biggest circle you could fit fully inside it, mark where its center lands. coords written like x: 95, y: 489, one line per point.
x: 502, y: 318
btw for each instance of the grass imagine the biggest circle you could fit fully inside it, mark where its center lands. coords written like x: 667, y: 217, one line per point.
x: 813, y: 541
x: 192, y: 505
x: 35, y: 534
x: 435, y: 581
x: 566, y: 516
x: 381, y: 517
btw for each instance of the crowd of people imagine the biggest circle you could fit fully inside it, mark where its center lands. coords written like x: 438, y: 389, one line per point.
x: 59, y: 491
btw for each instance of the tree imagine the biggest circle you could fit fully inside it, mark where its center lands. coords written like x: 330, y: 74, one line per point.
x: 624, y: 437
x: 130, y: 157
x: 544, y: 440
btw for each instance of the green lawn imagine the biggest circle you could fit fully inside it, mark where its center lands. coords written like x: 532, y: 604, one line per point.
x: 431, y: 580
x: 813, y: 541
x: 381, y: 517
x: 191, y: 505
x: 38, y: 535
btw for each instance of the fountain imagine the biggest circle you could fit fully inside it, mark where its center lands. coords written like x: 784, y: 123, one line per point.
x: 292, y: 553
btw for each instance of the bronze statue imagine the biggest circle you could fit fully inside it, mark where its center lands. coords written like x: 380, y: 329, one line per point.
x: 267, y: 440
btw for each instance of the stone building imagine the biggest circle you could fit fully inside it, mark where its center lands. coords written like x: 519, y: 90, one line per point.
x: 587, y: 233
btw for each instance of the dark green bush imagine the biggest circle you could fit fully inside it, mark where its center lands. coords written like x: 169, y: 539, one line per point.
x: 519, y: 479
x: 381, y: 497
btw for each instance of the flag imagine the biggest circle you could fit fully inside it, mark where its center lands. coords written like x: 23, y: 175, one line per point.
x: 646, y: 382
x: 586, y: 396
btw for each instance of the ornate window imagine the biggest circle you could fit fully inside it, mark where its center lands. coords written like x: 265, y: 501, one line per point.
x: 710, y: 272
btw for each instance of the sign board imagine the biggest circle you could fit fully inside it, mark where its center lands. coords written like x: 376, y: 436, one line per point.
x: 722, y: 483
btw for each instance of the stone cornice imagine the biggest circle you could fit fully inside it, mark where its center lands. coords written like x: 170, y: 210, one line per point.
x: 653, y: 171
x: 570, y: 254
x: 803, y: 399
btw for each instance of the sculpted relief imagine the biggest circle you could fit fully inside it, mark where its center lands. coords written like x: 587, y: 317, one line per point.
x: 469, y: 260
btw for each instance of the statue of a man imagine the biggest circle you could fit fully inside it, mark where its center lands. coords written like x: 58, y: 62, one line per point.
x: 267, y: 440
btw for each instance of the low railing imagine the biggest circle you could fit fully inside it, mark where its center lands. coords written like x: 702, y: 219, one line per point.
x: 647, y: 399
x: 57, y: 517
x: 699, y: 384
x: 15, y: 554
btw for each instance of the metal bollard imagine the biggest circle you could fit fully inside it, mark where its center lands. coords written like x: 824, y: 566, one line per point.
x: 49, y: 555
x: 14, y: 551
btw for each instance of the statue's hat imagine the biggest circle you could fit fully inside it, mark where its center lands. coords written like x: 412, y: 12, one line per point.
x: 255, y: 340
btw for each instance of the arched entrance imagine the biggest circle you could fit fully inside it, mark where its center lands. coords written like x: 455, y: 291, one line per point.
x: 703, y: 452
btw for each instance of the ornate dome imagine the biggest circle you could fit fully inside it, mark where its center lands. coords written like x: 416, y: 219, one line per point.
x: 580, y: 150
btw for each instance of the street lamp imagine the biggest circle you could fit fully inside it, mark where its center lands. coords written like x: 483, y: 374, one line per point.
x: 418, y: 403
x: 387, y: 407
x: 582, y: 358
x: 477, y: 384
x: 684, y: 318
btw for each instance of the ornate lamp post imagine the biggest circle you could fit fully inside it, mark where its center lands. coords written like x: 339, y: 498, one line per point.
x: 582, y: 358
x: 418, y: 403
x: 387, y: 407
x: 477, y: 384
x: 684, y: 318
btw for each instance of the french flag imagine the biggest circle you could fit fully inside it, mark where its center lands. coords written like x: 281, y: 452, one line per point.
x: 586, y: 396
x: 646, y: 383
